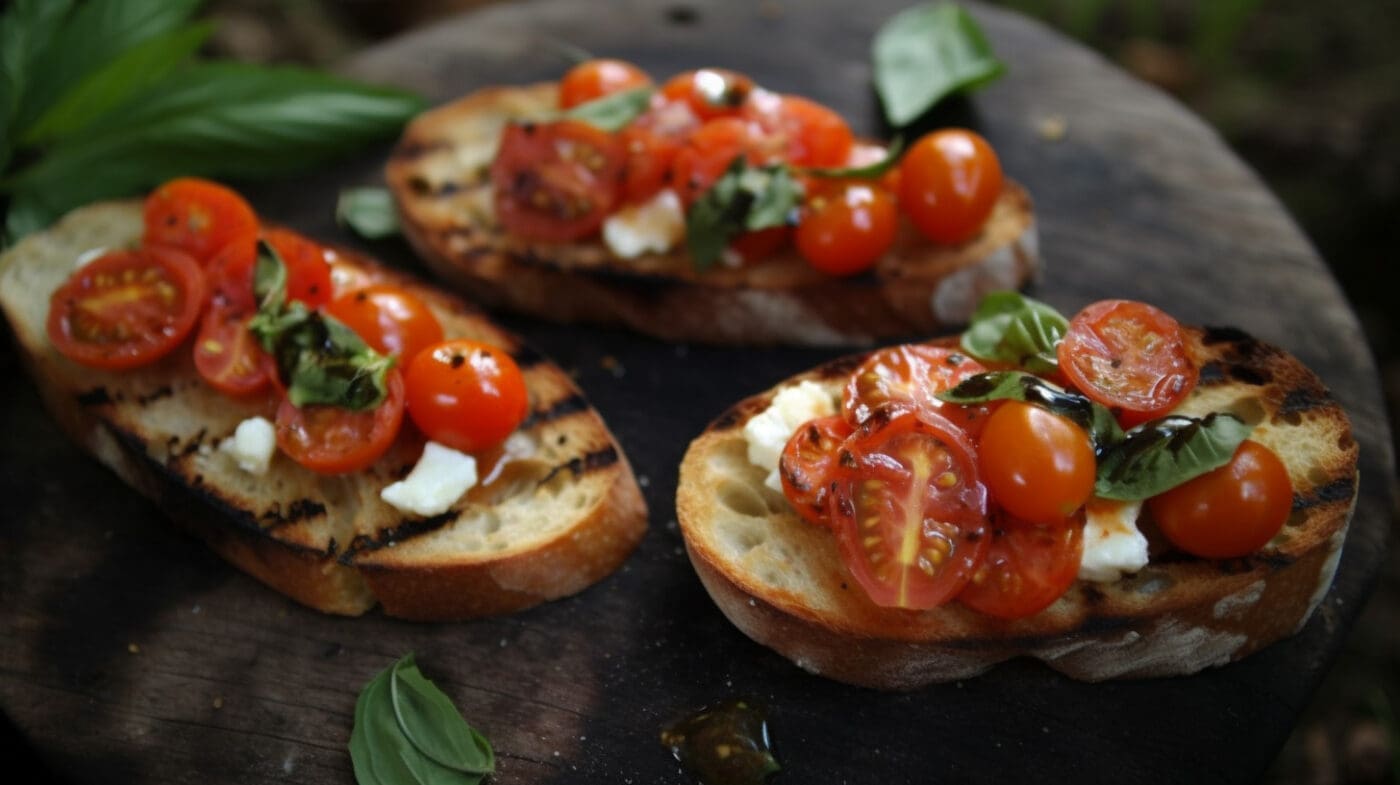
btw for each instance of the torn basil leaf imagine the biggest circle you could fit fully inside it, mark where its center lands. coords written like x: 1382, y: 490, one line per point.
x: 925, y: 53
x: 1009, y: 327
x: 613, y: 112
x: 867, y: 172
x: 1094, y: 418
x: 1162, y: 454
x: 369, y: 212
x: 745, y: 198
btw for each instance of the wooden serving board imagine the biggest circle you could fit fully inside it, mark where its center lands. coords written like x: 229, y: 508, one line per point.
x: 131, y: 654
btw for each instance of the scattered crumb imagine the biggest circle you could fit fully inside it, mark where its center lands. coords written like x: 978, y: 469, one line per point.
x: 218, y: 702
x: 1052, y: 128
x: 132, y: 648
x: 643, y: 480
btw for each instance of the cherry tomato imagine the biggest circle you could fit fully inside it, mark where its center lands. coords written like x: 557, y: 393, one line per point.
x: 907, y: 377
x: 557, y: 181
x: 806, y: 133
x: 1130, y: 357
x: 1027, y: 568
x: 710, y: 92
x: 1037, y: 465
x: 753, y: 247
x: 806, y: 464
x: 1230, y: 512
x: 949, y: 182
x: 709, y: 152
x: 227, y: 356
x: 199, y: 217
x: 465, y: 394
x: 389, y: 318
x: 594, y: 79
x: 908, y: 510
x: 229, y: 274
x: 308, y: 266
x: 335, y: 440
x: 127, y: 308
x: 846, y: 227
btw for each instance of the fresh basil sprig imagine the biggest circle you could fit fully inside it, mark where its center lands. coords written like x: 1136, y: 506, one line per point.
x: 745, y: 198
x: 407, y: 731
x: 926, y: 52
x: 320, y: 360
x: 1162, y: 454
x: 369, y: 211
x: 1009, y: 327
x: 613, y: 112
x: 1094, y: 418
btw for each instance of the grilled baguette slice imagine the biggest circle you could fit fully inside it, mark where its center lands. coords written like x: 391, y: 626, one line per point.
x: 562, y: 513
x: 781, y: 581
x: 439, y: 173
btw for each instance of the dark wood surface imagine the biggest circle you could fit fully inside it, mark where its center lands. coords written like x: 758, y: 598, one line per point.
x: 131, y: 654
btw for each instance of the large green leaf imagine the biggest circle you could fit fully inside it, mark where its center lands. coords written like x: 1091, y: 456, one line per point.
x: 26, y: 28
x: 1162, y: 454
x: 926, y: 52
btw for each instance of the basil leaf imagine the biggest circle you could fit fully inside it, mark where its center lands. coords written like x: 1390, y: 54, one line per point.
x: 269, y: 278
x: 613, y: 112
x: 868, y: 172
x: 1094, y: 418
x: 1008, y: 327
x: 926, y: 52
x: 26, y: 28
x: 429, y: 720
x: 1162, y: 454
x: 744, y: 198
x: 370, y: 212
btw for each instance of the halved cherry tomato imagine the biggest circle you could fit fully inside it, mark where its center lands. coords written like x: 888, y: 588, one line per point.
x: 127, y: 308
x: 1229, y: 512
x: 227, y: 356
x: 753, y: 247
x: 557, y: 181
x: 229, y: 273
x: 1130, y: 357
x: 806, y: 464
x: 594, y: 79
x: 335, y: 440
x: 199, y: 217
x: 709, y: 152
x: 907, y: 376
x: 389, y: 318
x: 465, y: 394
x: 805, y: 132
x: 1027, y: 568
x: 846, y: 227
x: 908, y: 509
x: 949, y: 182
x: 1037, y: 465
x: 308, y: 266
x: 710, y: 92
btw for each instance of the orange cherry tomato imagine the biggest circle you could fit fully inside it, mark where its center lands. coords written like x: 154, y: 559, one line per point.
x: 465, y: 394
x: 335, y: 440
x: 389, y: 318
x: 908, y: 377
x: 308, y: 266
x: 846, y: 227
x: 1027, y: 568
x: 806, y: 133
x: 708, y: 152
x: 1037, y: 465
x: 556, y: 181
x: 1130, y: 357
x: 127, y: 308
x: 710, y: 92
x: 949, y: 182
x: 199, y: 217
x: 594, y: 79
x: 1231, y: 511
x: 228, y: 356
x: 908, y: 510
x: 806, y: 464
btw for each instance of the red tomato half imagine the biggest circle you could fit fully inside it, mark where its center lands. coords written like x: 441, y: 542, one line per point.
x: 949, y: 182
x: 199, y: 217
x: 909, y: 511
x: 594, y: 79
x: 389, y: 318
x: 806, y: 465
x: 1027, y: 568
x: 557, y: 181
x: 465, y: 394
x: 709, y: 151
x: 227, y: 356
x: 1130, y: 357
x: 308, y: 266
x: 335, y: 440
x: 127, y: 308
x: 908, y: 377
x: 804, y: 132
x: 1229, y: 512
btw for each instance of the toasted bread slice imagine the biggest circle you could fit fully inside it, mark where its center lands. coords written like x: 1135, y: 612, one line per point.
x: 782, y: 582
x: 439, y: 173
x: 561, y: 513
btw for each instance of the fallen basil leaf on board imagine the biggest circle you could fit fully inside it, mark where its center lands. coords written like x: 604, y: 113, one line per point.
x: 369, y: 212
x: 925, y: 53
x: 407, y: 731
x: 1162, y: 454
x: 1010, y: 327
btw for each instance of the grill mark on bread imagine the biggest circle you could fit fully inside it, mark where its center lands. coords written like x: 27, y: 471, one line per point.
x: 581, y: 465
x: 97, y: 396
x: 525, y: 356
x: 1302, y: 399
x: 407, y: 529
x: 299, y: 510
x: 1338, y: 490
x: 163, y: 391
x: 572, y: 404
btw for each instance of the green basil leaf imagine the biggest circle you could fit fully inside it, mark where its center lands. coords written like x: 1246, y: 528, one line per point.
x: 776, y: 196
x: 1009, y: 327
x: 269, y: 278
x: 744, y: 198
x: 370, y: 212
x: 429, y: 720
x: 1162, y: 454
x: 926, y: 52
x: 613, y: 112
x: 868, y: 172
x: 26, y: 28
x: 1094, y: 418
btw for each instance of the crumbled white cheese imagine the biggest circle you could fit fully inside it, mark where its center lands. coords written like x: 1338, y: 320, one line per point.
x: 252, y: 445
x: 439, y: 479
x: 1112, y: 543
x: 768, y: 431
x: 89, y: 256
x: 653, y: 226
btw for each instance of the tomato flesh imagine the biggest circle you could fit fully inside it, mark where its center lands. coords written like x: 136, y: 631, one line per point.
x: 594, y: 79
x: 708, y: 153
x: 1231, y: 511
x: 389, y: 318
x: 805, y: 132
x: 806, y: 464
x: 949, y: 182
x: 127, y: 308
x: 199, y: 217
x: 556, y: 182
x: 908, y: 377
x: 308, y: 266
x: 846, y: 227
x: 1026, y: 569
x: 465, y: 394
x: 1130, y: 357
x: 227, y: 356
x: 1037, y: 465
x: 335, y: 440
x: 908, y: 510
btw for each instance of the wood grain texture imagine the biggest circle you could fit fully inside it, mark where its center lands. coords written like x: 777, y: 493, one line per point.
x: 133, y: 655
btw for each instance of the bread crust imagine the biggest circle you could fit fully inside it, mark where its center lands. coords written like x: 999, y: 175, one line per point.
x: 439, y: 175
x: 560, y: 513
x: 782, y: 582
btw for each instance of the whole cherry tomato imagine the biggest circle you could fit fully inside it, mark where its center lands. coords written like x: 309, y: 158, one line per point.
x: 465, y: 394
x: 1229, y: 512
x: 949, y: 182
x: 845, y: 227
x: 1037, y: 465
x: 594, y: 79
x: 710, y: 92
x: 199, y: 217
x: 389, y: 318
